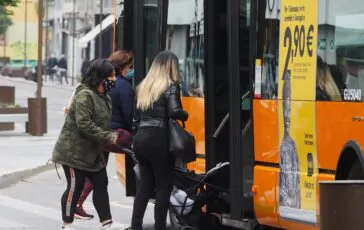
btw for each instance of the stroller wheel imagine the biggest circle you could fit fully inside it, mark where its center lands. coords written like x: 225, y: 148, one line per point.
x: 176, y: 224
x: 174, y: 221
x: 189, y: 228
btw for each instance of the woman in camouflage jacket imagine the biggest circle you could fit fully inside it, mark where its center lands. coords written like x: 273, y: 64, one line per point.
x: 79, y: 145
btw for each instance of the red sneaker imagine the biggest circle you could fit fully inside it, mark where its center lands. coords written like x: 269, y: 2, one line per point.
x: 81, y: 214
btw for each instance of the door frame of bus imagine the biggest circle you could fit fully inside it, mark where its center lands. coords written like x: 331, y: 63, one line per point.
x: 236, y: 187
x: 236, y: 181
x: 136, y: 10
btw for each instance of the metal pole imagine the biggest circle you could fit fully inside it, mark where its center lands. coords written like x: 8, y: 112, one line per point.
x: 73, y: 42
x: 4, y: 46
x: 114, y: 37
x: 100, y: 38
x: 40, y: 68
x: 25, y: 32
x: 46, y: 35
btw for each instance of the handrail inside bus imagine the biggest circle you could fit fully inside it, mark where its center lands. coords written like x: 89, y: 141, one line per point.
x: 227, y: 117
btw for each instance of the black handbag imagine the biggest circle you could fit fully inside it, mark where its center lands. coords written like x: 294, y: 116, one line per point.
x: 181, y: 142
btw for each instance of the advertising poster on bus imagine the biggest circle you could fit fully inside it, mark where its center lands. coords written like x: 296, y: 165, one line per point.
x: 297, y: 128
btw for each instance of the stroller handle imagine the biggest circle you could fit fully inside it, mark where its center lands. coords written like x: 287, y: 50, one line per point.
x: 130, y: 152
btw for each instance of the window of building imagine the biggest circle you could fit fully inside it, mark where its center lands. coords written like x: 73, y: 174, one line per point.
x: 185, y: 37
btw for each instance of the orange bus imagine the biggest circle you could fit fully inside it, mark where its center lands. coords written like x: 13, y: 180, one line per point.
x: 273, y: 87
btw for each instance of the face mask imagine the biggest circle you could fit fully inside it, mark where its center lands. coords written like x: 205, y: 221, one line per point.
x: 109, y: 85
x: 131, y: 74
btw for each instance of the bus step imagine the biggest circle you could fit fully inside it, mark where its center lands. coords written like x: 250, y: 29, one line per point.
x: 246, y: 224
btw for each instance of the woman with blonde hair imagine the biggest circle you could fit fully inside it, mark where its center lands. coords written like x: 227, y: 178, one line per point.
x: 158, y: 100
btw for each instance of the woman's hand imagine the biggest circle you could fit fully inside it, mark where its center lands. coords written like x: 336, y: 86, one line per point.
x: 66, y: 110
x: 115, y: 138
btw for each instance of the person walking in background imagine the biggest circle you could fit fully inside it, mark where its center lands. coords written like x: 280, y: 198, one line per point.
x: 79, y: 145
x: 51, y: 64
x: 158, y: 98
x: 62, y: 69
x: 85, y: 65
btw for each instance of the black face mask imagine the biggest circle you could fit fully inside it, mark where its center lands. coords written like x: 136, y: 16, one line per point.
x: 109, y: 85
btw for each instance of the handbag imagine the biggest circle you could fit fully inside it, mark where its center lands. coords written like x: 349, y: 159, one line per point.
x: 181, y: 142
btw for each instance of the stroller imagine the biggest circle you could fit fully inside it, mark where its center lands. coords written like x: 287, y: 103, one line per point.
x: 189, y: 195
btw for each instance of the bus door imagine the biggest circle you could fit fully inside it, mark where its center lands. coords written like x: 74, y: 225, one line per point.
x: 144, y: 38
x: 211, y: 40
x: 240, y: 62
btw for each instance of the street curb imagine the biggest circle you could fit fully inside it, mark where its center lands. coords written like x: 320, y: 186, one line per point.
x: 13, y: 178
x: 29, y: 82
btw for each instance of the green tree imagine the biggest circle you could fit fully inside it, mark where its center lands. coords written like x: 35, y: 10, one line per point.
x: 9, y: 2
x: 5, y: 20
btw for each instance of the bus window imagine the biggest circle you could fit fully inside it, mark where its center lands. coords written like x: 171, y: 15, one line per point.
x: 341, y: 48
x: 185, y: 37
x: 268, y: 50
x: 150, y: 31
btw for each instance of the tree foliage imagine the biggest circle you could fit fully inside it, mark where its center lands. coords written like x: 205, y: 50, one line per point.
x: 9, y: 2
x: 5, y: 20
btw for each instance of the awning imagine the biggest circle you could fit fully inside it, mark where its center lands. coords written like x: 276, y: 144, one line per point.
x: 108, y: 21
x: 183, y: 12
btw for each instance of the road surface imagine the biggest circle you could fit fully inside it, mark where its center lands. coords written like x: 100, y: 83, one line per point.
x: 35, y: 204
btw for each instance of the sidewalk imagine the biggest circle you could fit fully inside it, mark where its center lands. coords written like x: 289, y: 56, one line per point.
x: 22, y: 155
x: 45, y: 83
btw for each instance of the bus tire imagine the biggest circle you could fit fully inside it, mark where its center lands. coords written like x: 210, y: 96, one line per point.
x: 356, y: 172
x: 351, y: 163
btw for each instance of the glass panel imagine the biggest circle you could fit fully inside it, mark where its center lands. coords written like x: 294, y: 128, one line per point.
x: 185, y: 37
x: 269, y: 51
x: 340, y: 74
x: 244, y: 46
x: 150, y: 31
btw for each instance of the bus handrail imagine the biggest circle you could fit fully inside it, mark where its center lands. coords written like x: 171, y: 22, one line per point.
x: 221, y: 126
x: 227, y: 117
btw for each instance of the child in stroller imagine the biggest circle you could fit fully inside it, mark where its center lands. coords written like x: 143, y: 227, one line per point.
x: 189, y: 195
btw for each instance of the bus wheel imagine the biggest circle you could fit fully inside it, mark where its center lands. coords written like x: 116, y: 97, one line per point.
x: 356, y: 172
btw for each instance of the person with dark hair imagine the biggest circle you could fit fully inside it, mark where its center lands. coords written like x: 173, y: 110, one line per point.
x: 122, y: 97
x: 79, y: 145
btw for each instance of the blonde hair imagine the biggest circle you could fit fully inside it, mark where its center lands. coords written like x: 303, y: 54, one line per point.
x: 163, y: 72
x: 326, y: 82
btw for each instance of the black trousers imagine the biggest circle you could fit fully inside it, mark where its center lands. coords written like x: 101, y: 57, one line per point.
x: 75, y: 182
x: 156, y: 173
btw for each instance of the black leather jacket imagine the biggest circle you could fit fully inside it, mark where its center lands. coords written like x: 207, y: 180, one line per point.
x: 169, y: 105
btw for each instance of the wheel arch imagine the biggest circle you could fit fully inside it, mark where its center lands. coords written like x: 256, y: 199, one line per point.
x: 350, y: 153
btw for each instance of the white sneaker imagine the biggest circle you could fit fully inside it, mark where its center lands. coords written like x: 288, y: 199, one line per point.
x: 107, y: 225
x: 67, y: 227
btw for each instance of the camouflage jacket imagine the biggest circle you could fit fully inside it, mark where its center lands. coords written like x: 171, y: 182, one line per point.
x: 86, y: 127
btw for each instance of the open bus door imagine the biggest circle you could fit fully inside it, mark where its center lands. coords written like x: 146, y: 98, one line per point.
x: 213, y: 42
x: 229, y: 132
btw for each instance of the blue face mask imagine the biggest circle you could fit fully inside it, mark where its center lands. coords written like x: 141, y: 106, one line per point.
x: 131, y: 74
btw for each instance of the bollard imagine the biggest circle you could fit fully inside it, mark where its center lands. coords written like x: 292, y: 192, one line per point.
x: 341, y: 205
x: 34, y: 128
